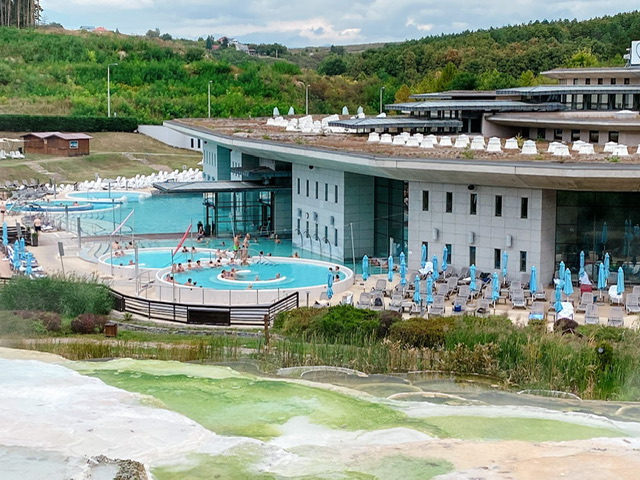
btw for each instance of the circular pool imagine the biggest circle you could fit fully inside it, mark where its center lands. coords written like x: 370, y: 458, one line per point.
x: 270, y: 273
x: 57, y: 206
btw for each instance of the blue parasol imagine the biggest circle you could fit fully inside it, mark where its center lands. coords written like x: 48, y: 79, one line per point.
x: 434, y: 260
x: 23, y: 249
x: 403, y: 271
x: 330, y: 285
x: 423, y: 256
x: 495, y: 287
x: 416, y: 295
x: 581, y: 272
x: 558, y: 304
x: 445, y: 254
x: 505, y: 262
x: 533, y: 281
x: 472, y: 283
x: 29, y: 269
x: 568, y: 285
x: 602, y: 277
x: 429, y: 290
x: 390, y: 264
x: 561, y: 271
x: 620, y: 284
x: 5, y: 234
x: 365, y: 268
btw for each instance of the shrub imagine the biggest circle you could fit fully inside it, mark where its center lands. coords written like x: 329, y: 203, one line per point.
x: 48, y: 123
x: 344, y: 322
x: 387, y: 319
x: 89, y: 323
x: 420, y: 332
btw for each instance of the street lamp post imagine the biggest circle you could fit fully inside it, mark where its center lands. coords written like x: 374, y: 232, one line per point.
x: 109, y: 88
x: 306, y: 97
x: 209, y: 100
x: 381, y: 90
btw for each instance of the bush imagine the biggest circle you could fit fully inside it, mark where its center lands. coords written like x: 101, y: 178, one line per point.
x: 64, y: 295
x: 420, y: 332
x: 47, y: 123
x: 89, y: 323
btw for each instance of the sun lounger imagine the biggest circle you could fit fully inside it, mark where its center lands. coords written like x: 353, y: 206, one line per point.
x: 323, y: 302
x: 585, y: 299
x: 459, y: 305
x: 483, y: 309
x: 380, y: 287
x: 347, y: 299
x: 517, y: 299
x: 416, y: 309
x: 437, y: 307
x: 395, y: 304
x: 377, y: 302
x: 632, y: 303
x: 592, y: 315
x: 613, y: 295
x: 364, y: 301
x: 616, y: 317
x: 538, y: 311
x: 464, y: 291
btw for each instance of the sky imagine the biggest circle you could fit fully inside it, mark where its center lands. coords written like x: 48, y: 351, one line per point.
x: 316, y: 23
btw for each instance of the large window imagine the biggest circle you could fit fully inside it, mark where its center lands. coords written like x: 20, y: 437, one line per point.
x: 425, y: 200
x: 473, y: 204
x: 298, y: 186
x: 594, y: 136
x: 497, y: 258
x: 523, y: 261
x: 307, y: 188
x: 449, y: 202
x: 498, y: 206
x: 524, y: 207
x: 472, y: 255
x: 448, y: 245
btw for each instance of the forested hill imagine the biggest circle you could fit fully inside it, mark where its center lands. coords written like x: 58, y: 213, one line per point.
x: 65, y: 73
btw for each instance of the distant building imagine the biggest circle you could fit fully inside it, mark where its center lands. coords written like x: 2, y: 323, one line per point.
x: 56, y: 143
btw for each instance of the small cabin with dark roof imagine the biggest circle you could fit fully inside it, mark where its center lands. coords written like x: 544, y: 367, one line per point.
x: 56, y: 143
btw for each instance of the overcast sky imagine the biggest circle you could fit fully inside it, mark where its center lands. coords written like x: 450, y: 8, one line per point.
x: 311, y: 23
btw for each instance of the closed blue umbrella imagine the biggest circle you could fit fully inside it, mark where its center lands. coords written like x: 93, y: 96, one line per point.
x: 505, y: 262
x: 434, y: 260
x: 568, y: 285
x: 390, y: 264
x: 558, y: 304
x: 365, y: 268
x: 423, y: 256
x: 602, y: 277
x: 581, y: 272
x: 561, y: 271
x: 620, y: 284
x: 495, y: 287
x: 429, y: 290
x: 445, y: 255
x: 533, y: 281
x: 403, y: 272
x: 23, y: 251
x: 330, y: 285
x: 16, y: 261
x: 472, y: 283
x: 607, y: 265
x: 29, y: 269
x: 416, y: 294
x: 5, y: 234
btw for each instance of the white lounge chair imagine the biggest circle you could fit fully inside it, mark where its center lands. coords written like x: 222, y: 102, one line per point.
x: 616, y: 317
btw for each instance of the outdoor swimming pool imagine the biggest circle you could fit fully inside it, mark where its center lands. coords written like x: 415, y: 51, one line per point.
x: 58, y: 206
x: 271, y: 273
x: 122, y: 196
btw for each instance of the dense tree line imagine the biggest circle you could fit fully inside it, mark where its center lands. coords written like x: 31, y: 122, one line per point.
x: 19, y: 13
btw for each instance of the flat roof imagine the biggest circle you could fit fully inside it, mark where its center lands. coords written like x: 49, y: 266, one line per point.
x: 566, y: 120
x: 394, y: 122
x: 631, y: 71
x: 569, y: 90
x: 218, y: 186
x: 484, y: 105
x: 452, y: 94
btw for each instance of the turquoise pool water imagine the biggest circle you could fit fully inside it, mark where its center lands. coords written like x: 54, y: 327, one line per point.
x: 271, y: 273
x: 59, y: 206
x: 109, y: 196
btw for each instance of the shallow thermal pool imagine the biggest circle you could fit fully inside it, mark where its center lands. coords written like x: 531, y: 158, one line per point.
x: 205, y: 421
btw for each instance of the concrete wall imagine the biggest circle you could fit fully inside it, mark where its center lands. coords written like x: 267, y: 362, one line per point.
x: 533, y: 235
x: 171, y: 137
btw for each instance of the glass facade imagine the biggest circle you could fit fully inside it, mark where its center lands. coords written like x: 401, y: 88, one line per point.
x: 391, y: 217
x: 599, y: 222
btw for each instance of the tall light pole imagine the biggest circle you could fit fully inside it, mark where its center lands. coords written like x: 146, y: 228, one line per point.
x: 209, y: 100
x: 109, y: 88
x: 306, y: 97
x: 381, y: 90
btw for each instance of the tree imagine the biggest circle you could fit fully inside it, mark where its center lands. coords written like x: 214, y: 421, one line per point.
x: 166, y: 36
x: 20, y: 13
x: 402, y: 95
x: 153, y: 33
x: 208, y: 44
x: 332, y: 65
x: 583, y: 59
x: 337, y: 50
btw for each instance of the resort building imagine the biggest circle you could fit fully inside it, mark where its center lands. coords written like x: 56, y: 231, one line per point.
x: 342, y: 196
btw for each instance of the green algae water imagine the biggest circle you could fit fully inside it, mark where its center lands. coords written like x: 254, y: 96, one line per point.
x: 187, y: 421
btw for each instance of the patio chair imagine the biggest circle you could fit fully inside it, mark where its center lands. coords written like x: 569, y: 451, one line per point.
x: 452, y: 285
x: 416, y: 309
x: 364, y: 301
x: 613, y: 295
x: 395, y: 305
x: 464, y: 273
x: 437, y: 307
x: 616, y: 317
x: 592, y: 315
x: 632, y: 303
x: 538, y: 311
x: 517, y: 299
x: 323, y: 301
x: 443, y: 290
x: 585, y: 299
x: 513, y: 286
x: 347, y: 299
x: 524, y: 280
x: 636, y: 290
x: 377, y: 302
x: 380, y: 287
x: 464, y: 291
x: 483, y: 309
x: 459, y: 305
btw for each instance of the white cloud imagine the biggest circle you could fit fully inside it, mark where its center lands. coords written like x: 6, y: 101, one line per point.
x: 423, y: 27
